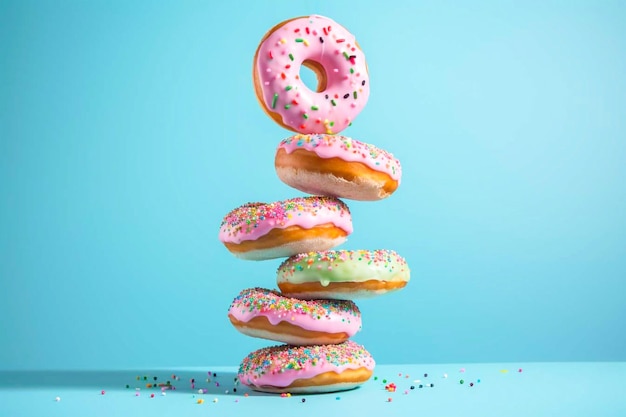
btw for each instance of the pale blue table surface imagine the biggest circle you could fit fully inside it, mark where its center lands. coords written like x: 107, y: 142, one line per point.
x: 499, y: 389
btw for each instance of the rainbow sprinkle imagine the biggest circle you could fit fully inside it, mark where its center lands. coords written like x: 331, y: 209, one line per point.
x: 382, y: 158
x: 282, y: 358
x: 264, y: 300
x: 387, y: 259
x: 246, y: 218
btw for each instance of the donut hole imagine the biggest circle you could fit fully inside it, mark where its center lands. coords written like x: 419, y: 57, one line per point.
x: 313, y: 75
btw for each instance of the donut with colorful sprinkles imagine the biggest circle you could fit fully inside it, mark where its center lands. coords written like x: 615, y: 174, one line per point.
x: 332, y: 53
x: 307, y: 369
x: 342, y: 274
x: 257, y: 231
x: 338, y: 166
x: 266, y: 314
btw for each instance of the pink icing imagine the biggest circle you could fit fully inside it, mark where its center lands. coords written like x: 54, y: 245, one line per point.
x: 279, y: 366
x: 323, y: 41
x: 336, y: 146
x: 253, y: 220
x: 329, y: 316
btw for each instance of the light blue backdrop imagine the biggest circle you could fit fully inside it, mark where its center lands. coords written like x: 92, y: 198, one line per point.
x: 128, y: 130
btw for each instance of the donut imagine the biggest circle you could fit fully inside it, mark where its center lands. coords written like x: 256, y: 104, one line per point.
x: 266, y: 314
x: 342, y: 274
x: 307, y: 369
x: 259, y: 231
x: 337, y: 166
x: 332, y: 53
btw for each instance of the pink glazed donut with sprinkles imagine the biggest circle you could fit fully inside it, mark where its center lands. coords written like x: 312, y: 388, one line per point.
x: 258, y: 231
x: 332, y: 53
x: 307, y: 369
x: 267, y: 314
x: 338, y: 166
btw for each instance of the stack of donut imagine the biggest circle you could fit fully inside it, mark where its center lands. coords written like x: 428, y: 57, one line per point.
x: 312, y: 314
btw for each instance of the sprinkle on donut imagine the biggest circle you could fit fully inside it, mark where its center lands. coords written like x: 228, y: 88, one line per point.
x: 281, y: 359
x: 342, y: 274
x: 252, y: 220
x: 348, y: 149
x: 264, y: 313
x: 386, y: 260
x: 261, y: 300
x: 332, y: 52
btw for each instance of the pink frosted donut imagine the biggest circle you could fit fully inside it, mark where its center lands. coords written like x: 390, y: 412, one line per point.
x: 259, y: 231
x: 307, y: 369
x: 338, y: 166
x: 267, y: 314
x: 332, y: 53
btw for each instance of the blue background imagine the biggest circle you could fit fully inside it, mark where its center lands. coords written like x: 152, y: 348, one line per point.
x: 129, y: 129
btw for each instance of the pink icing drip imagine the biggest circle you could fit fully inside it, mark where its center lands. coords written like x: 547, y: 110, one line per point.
x: 323, y: 41
x: 279, y: 366
x: 285, y: 378
x: 335, y: 146
x: 337, y: 322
